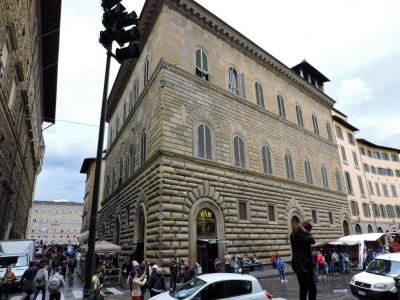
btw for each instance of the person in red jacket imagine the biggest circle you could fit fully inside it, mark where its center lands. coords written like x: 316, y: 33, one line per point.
x: 321, y: 265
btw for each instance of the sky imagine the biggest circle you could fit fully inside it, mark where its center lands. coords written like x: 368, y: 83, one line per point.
x: 355, y: 43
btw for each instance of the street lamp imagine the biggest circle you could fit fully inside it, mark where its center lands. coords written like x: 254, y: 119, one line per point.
x: 115, y: 20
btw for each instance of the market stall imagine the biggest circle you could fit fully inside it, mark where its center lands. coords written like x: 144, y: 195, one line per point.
x: 360, y: 243
x: 106, y: 254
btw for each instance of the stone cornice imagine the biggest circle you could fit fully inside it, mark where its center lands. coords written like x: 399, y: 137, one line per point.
x: 216, y: 26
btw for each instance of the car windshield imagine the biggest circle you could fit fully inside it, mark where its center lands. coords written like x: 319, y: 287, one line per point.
x: 384, y: 267
x: 187, y: 289
x: 13, y: 261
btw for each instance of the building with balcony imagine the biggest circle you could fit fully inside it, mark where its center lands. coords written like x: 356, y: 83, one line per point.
x: 29, y: 41
x: 214, y: 145
x: 55, y: 221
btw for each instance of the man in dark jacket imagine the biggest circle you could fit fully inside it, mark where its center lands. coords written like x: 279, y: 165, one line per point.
x: 27, y: 281
x: 174, y: 268
x: 301, y: 241
x: 188, y: 272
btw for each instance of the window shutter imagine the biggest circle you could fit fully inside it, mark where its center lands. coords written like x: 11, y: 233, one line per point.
x: 242, y: 85
x: 241, y: 152
x: 204, y: 59
x: 208, y: 142
x: 198, y: 59
x: 200, y: 137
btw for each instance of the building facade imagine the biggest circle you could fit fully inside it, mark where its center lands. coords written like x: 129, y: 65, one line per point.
x: 55, y: 221
x: 210, y: 153
x: 381, y: 167
x: 29, y: 39
x: 88, y: 168
x: 372, y: 179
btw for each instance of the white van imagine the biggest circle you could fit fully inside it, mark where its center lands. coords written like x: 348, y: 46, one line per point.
x: 377, y: 281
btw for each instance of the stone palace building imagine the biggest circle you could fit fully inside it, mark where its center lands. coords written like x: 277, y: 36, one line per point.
x: 214, y: 145
x: 55, y: 221
x: 29, y: 41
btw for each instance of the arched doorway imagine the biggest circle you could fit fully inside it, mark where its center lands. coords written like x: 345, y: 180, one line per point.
x: 358, y: 229
x: 370, y: 230
x: 206, y: 234
x: 117, y: 226
x: 346, y: 230
x: 140, y: 235
x: 207, y: 246
x: 380, y: 230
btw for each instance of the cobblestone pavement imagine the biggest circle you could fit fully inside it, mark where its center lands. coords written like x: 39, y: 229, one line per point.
x: 333, y: 288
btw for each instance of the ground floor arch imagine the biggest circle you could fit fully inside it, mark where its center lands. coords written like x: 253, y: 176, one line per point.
x: 370, y: 230
x: 380, y: 230
x: 346, y: 230
x: 140, y: 233
x: 206, y: 233
x: 358, y: 229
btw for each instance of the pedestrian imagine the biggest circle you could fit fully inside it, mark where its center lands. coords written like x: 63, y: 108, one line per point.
x: 258, y: 263
x: 245, y: 264
x: 227, y: 262
x: 41, y: 280
x: 56, y: 282
x: 273, y: 258
x: 321, y: 266
x: 217, y: 265
x: 174, y: 269
x: 336, y: 263
x: 28, y: 287
x: 71, y: 263
x: 157, y: 282
x: 345, y: 262
x: 301, y: 241
x: 235, y: 264
x: 96, y: 286
x: 137, y: 284
x: 8, y: 280
x: 281, y: 268
x: 103, y: 271
x: 142, y: 270
x: 188, y: 272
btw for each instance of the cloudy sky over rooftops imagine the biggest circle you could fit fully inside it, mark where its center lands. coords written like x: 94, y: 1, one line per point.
x: 354, y: 43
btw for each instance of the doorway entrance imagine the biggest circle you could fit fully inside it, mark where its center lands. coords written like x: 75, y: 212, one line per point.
x: 346, y: 230
x: 207, y: 242
x: 139, y: 255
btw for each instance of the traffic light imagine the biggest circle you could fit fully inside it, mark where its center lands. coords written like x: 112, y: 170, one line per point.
x: 131, y: 51
x: 115, y: 20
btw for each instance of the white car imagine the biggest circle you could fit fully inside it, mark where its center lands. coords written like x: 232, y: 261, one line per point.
x: 377, y: 281
x: 218, y: 286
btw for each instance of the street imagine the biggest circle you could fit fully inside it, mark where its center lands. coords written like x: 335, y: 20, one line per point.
x: 334, y: 288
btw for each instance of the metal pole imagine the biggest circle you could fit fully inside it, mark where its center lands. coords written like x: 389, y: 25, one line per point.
x: 96, y: 189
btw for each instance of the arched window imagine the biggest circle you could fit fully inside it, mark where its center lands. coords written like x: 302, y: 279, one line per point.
x: 117, y: 125
x: 204, y: 141
x: 299, y: 115
x: 324, y: 176
x: 107, y: 187
x: 132, y: 158
x: 125, y: 109
x: 134, y: 94
x: 289, y: 167
x: 329, y: 132
x: 266, y: 159
x: 114, y: 179
x: 146, y: 71
x: 121, y: 170
x: 143, y: 147
x: 281, y: 106
x: 201, y: 64
x: 111, y: 134
x: 315, y: 124
x: 338, y: 182
x: 238, y: 148
x: 307, y: 170
x: 370, y: 230
x: 233, y: 81
x: 259, y: 95
x: 127, y: 166
x: 358, y: 229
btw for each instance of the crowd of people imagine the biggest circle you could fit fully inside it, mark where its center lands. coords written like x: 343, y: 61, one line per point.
x: 46, y: 273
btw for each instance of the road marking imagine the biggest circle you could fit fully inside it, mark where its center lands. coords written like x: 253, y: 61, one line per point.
x: 78, y: 294
x: 115, y: 291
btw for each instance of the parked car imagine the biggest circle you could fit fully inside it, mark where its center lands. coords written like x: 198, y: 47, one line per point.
x: 377, y: 281
x: 218, y: 286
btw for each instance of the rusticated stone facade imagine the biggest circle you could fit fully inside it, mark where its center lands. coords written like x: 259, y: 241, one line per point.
x: 28, y: 79
x: 162, y: 199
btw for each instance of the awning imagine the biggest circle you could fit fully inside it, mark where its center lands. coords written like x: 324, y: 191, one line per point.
x: 357, y: 239
x: 214, y: 241
x: 104, y: 247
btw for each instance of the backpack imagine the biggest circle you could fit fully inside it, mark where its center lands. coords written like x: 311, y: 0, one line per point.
x: 54, y: 285
x: 40, y: 278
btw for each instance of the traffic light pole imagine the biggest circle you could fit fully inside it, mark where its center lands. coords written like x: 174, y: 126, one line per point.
x: 87, y: 289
